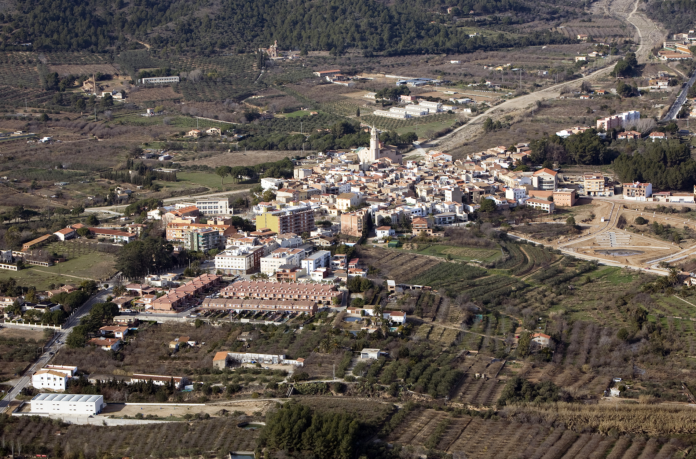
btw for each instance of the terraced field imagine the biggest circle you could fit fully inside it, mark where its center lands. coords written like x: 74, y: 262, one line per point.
x: 477, y: 438
x: 400, y: 266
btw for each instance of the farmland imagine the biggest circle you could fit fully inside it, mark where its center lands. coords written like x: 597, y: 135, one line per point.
x: 89, y: 266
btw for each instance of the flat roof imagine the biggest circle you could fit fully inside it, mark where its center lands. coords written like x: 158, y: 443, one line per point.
x: 77, y: 398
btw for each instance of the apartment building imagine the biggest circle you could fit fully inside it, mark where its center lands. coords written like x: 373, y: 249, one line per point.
x: 564, y: 197
x: 594, y: 185
x: 214, y: 207
x: 296, y: 220
x: 178, y: 230
x: 319, y: 259
x: 545, y: 179
x: 353, y: 223
x: 637, y: 191
x: 319, y: 293
x: 202, y: 239
x: 279, y: 257
x: 241, y: 260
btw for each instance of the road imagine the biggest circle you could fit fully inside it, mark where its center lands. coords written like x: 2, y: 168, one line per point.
x: 679, y: 102
x: 56, y: 343
x: 649, y: 35
x: 118, y: 209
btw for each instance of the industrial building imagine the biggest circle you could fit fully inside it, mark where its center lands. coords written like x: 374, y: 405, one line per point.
x: 75, y: 404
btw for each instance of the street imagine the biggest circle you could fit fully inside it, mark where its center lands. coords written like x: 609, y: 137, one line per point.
x: 54, y: 345
x: 677, y: 105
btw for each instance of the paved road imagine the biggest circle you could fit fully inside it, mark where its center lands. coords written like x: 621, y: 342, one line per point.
x: 677, y: 105
x: 56, y: 343
x: 118, y: 210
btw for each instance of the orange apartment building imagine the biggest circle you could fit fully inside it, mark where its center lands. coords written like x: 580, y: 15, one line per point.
x: 178, y: 230
x: 352, y: 223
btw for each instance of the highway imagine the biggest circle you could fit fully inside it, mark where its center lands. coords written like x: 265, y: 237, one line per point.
x: 677, y: 105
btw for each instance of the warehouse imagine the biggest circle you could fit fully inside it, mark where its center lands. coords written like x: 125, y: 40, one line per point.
x: 77, y: 404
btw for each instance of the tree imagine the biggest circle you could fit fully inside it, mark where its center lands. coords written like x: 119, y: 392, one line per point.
x: 222, y: 172
x: 570, y: 221
x: 488, y: 205
x: 585, y: 86
x: 357, y: 112
x: 622, y: 334
x: 92, y: 220
x: 83, y: 232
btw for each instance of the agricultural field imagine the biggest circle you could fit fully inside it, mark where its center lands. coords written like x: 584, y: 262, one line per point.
x: 236, y: 158
x: 92, y: 265
x: 169, y: 439
x: 480, y: 438
x: 604, y: 29
x: 459, y: 253
x: 18, y: 349
x: 432, y: 123
x: 396, y: 265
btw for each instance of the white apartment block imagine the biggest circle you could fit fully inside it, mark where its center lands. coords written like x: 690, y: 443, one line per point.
x: 214, y: 207
x: 279, y: 257
x: 320, y: 259
x: 74, y: 404
x: 518, y: 194
x: 50, y: 379
x: 241, y: 260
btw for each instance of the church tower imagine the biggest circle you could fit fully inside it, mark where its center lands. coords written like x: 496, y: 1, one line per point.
x: 374, y: 146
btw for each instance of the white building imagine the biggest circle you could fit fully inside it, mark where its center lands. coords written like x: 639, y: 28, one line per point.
x: 158, y: 380
x: 214, y: 207
x: 271, y: 263
x: 518, y: 194
x: 241, y: 260
x: 320, y: 259
x: 384, y: 232
x: 50, y: 379
x: 541, y: 204
x: 75, y: 404
x: 159, y: 80
x: 270, y: 183
x: 372, y: 354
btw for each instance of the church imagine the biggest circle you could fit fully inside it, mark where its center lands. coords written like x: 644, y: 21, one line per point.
x: 376, y: 152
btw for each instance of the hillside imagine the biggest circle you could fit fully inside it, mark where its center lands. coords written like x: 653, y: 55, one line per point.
x: 405, y: 27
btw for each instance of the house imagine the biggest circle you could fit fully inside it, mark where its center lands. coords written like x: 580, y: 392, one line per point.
x: 195, y: 133
x: 49, y: 379
x: 541, y: 340
x: 118, y: 331
x: 221, y: 360
x: 115, y: 235
x: 420, y: 225
x: 106, y: 344
x: 657, y: 136
x: 213, y: 131
x: 628, y: 135
x: 384, y: 232
x: 65, y: 234
x: 397, y: 317
x: 369, y: 354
